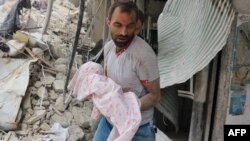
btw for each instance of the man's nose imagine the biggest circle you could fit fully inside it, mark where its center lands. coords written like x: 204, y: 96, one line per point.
x: 124, y: 31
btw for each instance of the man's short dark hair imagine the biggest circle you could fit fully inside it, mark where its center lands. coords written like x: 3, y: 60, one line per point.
x: 125, y: 6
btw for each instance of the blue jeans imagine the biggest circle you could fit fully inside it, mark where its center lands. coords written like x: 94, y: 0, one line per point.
x: 145, y: 132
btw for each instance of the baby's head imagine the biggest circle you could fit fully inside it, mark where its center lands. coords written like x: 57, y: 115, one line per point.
x: 92, y: 68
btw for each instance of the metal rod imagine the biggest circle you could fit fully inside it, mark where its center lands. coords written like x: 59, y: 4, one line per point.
x: 48, y: 14
x: 79, y: 25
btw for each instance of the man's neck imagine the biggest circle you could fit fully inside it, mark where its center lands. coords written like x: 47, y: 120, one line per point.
x: 119, y: 49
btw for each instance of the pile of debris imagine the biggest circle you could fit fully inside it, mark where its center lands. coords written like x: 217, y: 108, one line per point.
x: 33, y: 104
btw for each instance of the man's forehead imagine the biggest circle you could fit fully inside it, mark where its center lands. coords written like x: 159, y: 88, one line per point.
x: 119, y: 13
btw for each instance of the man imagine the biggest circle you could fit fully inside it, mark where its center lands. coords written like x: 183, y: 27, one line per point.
x: 97, y: 51
x: 131, y: 63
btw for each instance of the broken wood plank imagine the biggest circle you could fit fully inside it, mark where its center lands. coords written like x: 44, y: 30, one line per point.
x: 32, y: 54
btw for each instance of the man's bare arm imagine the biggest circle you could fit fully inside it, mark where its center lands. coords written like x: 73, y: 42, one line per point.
x: 153, y: 96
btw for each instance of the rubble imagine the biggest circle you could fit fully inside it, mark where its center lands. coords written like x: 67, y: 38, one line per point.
x: 15, y: 47
x: 45, y: 113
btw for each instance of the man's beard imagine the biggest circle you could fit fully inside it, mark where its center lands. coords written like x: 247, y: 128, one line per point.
x: 126, y: 40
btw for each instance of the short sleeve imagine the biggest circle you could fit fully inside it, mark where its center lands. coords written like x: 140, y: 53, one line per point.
x: 147, y: 67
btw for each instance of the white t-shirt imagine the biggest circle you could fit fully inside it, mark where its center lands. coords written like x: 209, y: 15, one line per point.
x: 130, y: 69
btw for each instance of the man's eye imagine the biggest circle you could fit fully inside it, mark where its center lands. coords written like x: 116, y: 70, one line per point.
x: 117, y: 25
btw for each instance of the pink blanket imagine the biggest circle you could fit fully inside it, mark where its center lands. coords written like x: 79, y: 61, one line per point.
x: 121, y: 109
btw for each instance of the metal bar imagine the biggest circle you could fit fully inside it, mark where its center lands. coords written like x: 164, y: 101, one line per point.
x: 79, y: 26
x: 48, y: 14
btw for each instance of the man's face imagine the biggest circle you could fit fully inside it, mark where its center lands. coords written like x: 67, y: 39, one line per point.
x: 122, y: 26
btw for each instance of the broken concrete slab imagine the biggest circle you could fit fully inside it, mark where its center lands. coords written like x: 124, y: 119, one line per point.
x: 82, y: 116
x: 37, y: 116
x: 53, y: 95
x: 60, y: 76
x: 37, y: 51
x: 61, y: 61
x: 60, y: 51
x: 38, y: 84
x: 26, y: 101
x: 75, y: 133
x: 45, y: 126
x: 58, y: 86
x: 42, y: 93
x: 60, y: 119
x: 60, y: 104
x: 61, y: 67
x: 48, y: 79
x: 14, y: 72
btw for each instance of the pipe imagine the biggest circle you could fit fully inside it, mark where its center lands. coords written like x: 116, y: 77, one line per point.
x: 79, y: 26
x: 48, y: 14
